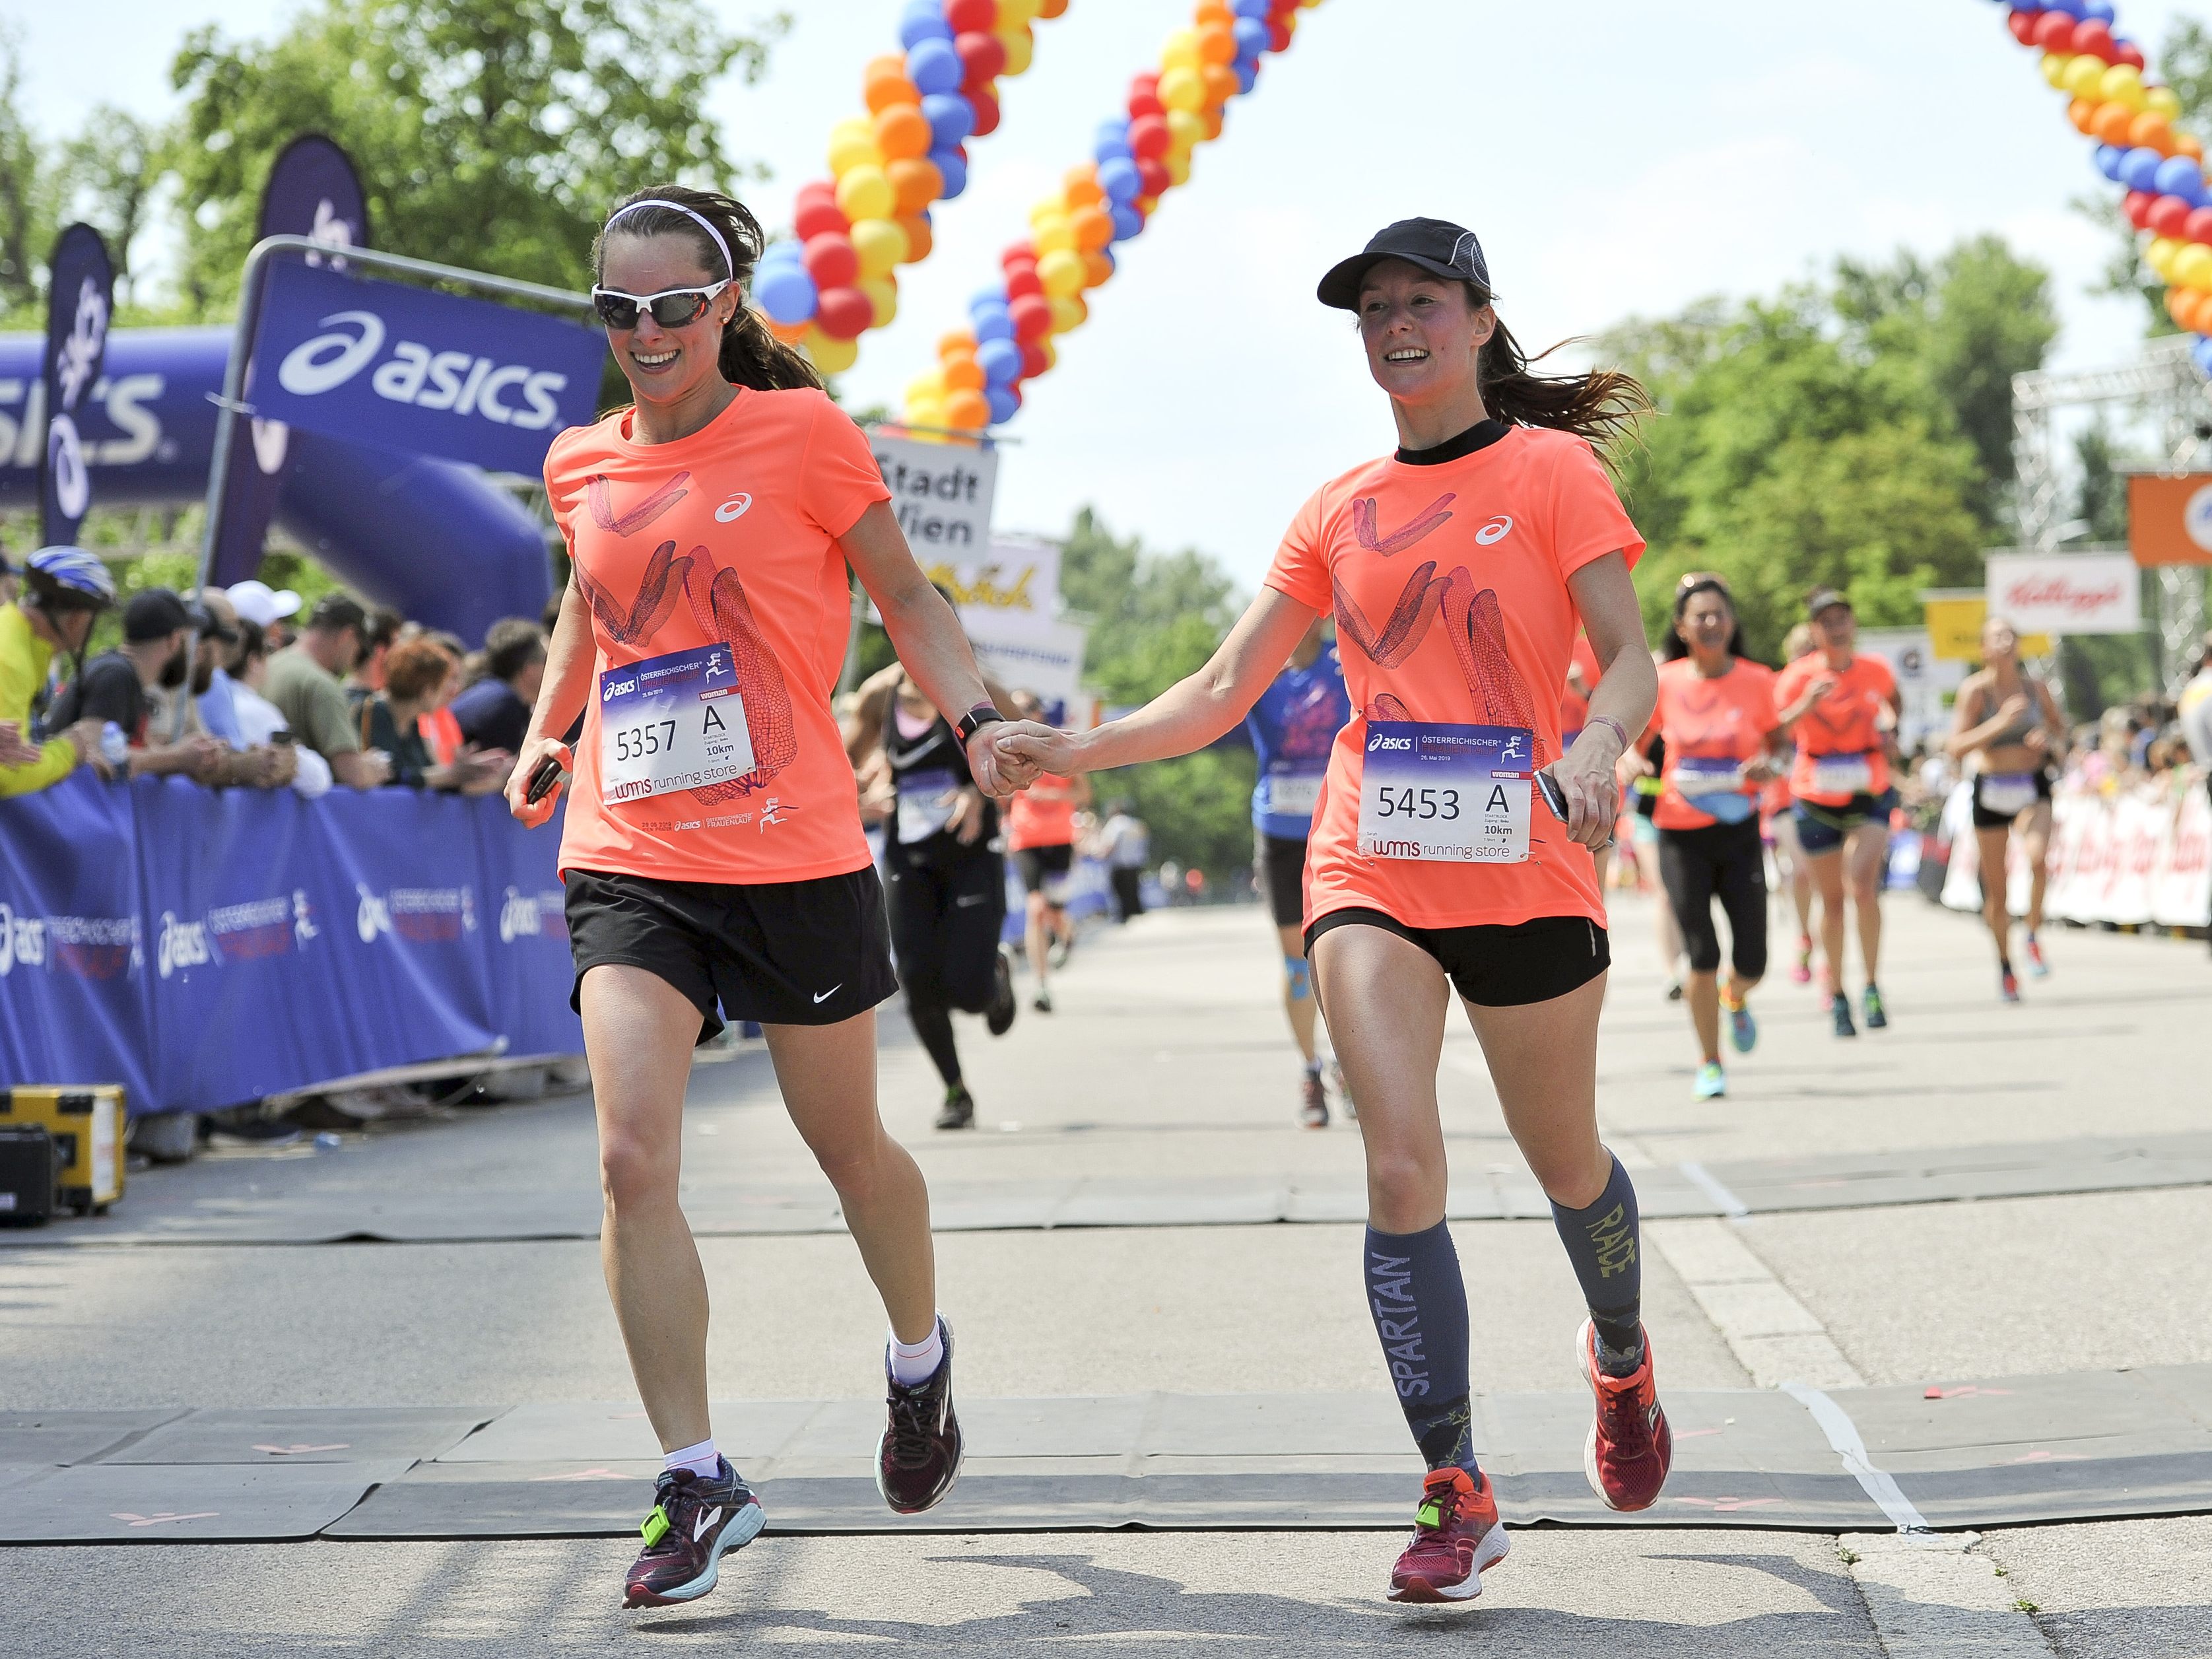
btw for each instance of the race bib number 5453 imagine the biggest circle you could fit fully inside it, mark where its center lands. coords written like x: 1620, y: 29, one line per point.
x: 672, y: 722
x: 1454, y: 794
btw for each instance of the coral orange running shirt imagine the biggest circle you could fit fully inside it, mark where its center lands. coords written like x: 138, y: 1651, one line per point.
x: 1711, y: 728
x: 1574, y: 707
x: 1840, y: 739
x: 1043, y: 815
x: 1449, y: 586
x: 720, y: 612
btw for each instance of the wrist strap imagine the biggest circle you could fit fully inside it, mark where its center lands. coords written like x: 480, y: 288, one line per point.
x: 1617, y: 731
x: 975, y: 719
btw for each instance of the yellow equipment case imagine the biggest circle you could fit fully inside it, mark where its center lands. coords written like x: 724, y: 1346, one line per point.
x: 86, y: 1121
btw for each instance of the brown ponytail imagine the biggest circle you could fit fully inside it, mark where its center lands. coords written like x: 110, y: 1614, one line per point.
x: 1603, y: 405
x: 751, y: 355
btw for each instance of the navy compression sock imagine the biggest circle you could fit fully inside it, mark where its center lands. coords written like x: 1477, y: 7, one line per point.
x: 1603, y: 1241
x: 1419, y: 1302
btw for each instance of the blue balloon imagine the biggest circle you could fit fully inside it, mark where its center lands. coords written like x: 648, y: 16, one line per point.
x: 1127, y: 222
x: 788, y: 252
x: 1121, y: 180
x: 2203, y: 352
x: 1112, y: 150
x: 1001, y: 359
x: 991, y: 320
x: 1248, y: 73
x: 934, y: 66
x: 2108, y: 158
x: 923, y: 20
x: 2179, y: 175
x: 784, y: 290
x: 2139, y: 169
x: 2071, y: 8
x: 2102, y: 10
x: 1112, y: 130
x: 954, y: 166
x: 993, y: 295
x: 1251, y: 37
x: 1258, y: 8
x: 951, y: 118
x: 1004, y: 400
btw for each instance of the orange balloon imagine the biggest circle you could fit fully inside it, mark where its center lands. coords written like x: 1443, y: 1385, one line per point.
x: 883, y: 63
x: 963, y: 375
x: 919, y: 241
x: 1214, y: 14
x: 917, y: 183
x: 1094, y: 229
x: 1081, y: 188
x: 968, y: 411
x: 1097, y: 268
x: 885, y: 90
x: 960, y: 342
x: 2189, y: 145
x: 1052, y: 7
x: 1221, y: 85
x: 1217, y: 44
x: 789, y: 333
x: 902, y: 132
x: 2111, y: 122
x: 1211, y: 117
x: 2154, y: 132
x: 2082, y: 113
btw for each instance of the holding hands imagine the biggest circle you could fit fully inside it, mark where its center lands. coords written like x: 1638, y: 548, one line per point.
x: 1006, y: 756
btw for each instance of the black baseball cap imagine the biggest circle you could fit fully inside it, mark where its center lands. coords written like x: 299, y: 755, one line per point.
x: 338, y: 613
x: 1825, y: 598
x: 153, y: 615
x: 1435, y: 245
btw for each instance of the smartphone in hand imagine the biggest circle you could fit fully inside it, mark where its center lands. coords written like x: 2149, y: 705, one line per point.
x: 543, y: 779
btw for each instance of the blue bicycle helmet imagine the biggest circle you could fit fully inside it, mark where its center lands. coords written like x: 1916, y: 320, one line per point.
x: 71, y: 571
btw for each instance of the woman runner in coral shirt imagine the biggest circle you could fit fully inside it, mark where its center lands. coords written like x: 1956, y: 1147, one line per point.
x: 712, y: 852
x: 1457, y: 568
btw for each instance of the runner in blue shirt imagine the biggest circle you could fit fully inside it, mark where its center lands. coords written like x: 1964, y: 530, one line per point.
x: 1293, y: 727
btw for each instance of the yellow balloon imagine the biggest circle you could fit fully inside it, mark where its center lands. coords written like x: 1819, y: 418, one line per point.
x: 927, y: 415
x: 2161, y: 253
x: 1186, y: 129
x: 852, y: 126
x: 2054, y: 66
x: 1177, y: 162
x: 1045, y: 345
x: 2192, y: 265
x: 832, y: 356
x: 1018, y: 11
x: 926, y: 388
x: 1061, y: 272
x: 2084, y: 77
x: 881, y: 244
x: 1068, y: 312
x: 1182, y: 89
x: 865, y: 192
x: 1180, y: 52
x: 883, y: 293
x: 2122, y: 84
x: 2163, y: 100
x: 1021, y: 47
x: 1053, y: 207
x: 1054, y: 236
x: 853, y: 150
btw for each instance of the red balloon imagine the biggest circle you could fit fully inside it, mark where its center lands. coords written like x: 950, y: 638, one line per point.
x: 987, y: 109
x: 1145, y: 103
x: 816, y: 217
x: 2094, y: 36
x: 830, y: 261
x: 2198, y: 225
x: 1279, y: 35
x: 1144, y: 85
x: 1155, y: 175
x: 984, y: 56
x: 1032, y: 315
x: 1149, y: 137
x: 2022, y: 25
x: 2137, y: 204
x: 1033, y: 361
x: 820, y: 190
x: 2130, y: 54
x: 843, y: 313
x: 2167, y: 216
x: 1022, y: 278
x: 2054, y: 32
x: 1023, y: 252
x: 972, y: 17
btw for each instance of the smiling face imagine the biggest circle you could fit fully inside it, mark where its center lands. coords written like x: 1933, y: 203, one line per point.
x: 665, y: 365
x: 1422, y: 334
x: 1707, y: 623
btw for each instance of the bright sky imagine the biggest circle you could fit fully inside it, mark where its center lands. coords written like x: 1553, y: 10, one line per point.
x: 1615, y: 158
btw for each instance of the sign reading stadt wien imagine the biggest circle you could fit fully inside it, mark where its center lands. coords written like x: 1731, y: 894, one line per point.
x: 941, y: 493
x: 2170, y: 518
x: 2066, y: 592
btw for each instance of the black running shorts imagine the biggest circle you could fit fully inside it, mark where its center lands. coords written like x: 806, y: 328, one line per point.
x: 1279, y: 866
x: 1044, y: 870
x: 1984, y: 819
x: 784, y: 952
x: 1502, y: 966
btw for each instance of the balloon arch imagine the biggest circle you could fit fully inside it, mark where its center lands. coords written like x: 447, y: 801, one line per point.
x: 836, y: 277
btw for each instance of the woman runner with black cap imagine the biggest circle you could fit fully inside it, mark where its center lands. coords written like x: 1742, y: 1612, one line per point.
x: 1457, y: 568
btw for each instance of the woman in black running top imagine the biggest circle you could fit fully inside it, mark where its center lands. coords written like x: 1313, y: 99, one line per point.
x: 944, y: 880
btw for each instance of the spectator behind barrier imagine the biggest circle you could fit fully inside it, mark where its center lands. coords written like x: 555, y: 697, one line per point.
x: 268, y: 609
x: 262, y: 765
x: 65, y: 589
x: 121, y: 688
x: 302, y: 681
x: 495, y: 711
x: 384, y: 630
x: 9, y: 578
x: 415, y: 676
x: 441, y: 732
x: 260, y: 721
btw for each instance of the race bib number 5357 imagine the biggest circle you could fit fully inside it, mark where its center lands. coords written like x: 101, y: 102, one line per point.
x: 672, y: 722
x: 1454, y: 794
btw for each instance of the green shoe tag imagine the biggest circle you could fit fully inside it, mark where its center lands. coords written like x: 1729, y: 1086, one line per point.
x: 1428, y: 1516
x: 655, y: 1528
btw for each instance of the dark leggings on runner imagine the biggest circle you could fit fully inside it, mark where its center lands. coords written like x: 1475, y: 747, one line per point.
x: 946, y: 913
x: 1723, y: 862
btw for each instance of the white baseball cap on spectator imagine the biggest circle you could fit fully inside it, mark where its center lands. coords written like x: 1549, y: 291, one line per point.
x: 261, y: 604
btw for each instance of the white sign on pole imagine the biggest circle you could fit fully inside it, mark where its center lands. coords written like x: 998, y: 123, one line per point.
x: 1027, y: 652
x: 941, y: 493
x: 1010, y: 575
x: 2066, y: 592
x: 1923, y: 678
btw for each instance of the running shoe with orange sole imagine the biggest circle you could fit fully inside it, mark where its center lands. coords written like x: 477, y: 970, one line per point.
x: 1630, y: 1447
x: 1456, y: 1539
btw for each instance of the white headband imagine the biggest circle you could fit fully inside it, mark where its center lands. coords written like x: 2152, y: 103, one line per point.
x: 704, y: 223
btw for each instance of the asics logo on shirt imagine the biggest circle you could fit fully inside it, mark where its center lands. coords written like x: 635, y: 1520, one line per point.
x: 707, y: 1519
x: 733, y: 508
x: 1496, y: 531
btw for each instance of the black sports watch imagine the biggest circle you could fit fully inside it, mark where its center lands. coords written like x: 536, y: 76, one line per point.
x: 975, y: 719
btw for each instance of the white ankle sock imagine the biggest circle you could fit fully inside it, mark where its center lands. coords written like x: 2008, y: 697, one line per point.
x: 703, y: 1460
x: 917, y: 1362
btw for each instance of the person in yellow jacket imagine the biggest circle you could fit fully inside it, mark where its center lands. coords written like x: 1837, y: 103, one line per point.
x: 65, y: 590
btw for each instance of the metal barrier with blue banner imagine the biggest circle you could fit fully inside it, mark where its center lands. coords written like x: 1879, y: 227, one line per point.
x: 205, y: 949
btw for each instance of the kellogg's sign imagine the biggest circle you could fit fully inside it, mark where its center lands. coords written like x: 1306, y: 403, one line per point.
x: 2066, y: 592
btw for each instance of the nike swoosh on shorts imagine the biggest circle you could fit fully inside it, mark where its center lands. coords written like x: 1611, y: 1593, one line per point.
x: 831, y: 992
